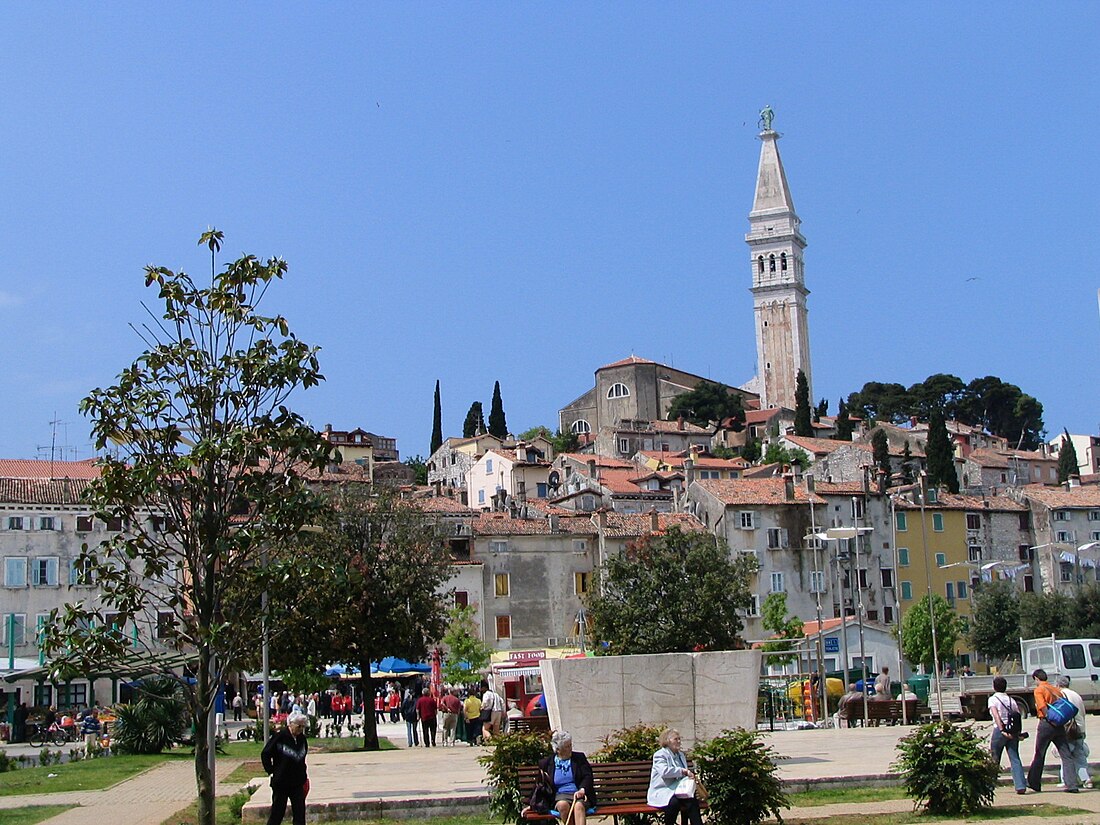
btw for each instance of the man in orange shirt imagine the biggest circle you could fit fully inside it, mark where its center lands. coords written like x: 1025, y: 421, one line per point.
x: 1045, y: 693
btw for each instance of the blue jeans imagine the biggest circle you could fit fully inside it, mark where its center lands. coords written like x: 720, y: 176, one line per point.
x: 1077, y: 770
x: 1046, y: 733
x: 412, y: 733
x: 1000, y: 743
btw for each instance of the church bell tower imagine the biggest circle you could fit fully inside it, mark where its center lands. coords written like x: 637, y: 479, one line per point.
x: 778, y: 280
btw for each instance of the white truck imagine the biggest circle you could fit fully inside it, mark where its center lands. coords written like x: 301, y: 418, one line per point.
x: 1079, y: 659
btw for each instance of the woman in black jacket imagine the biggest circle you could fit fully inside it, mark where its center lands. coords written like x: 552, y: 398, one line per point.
x: 284, y: 757
x: 568, y: 773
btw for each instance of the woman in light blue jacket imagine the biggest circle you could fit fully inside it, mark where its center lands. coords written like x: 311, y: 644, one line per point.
x: 669, y: 767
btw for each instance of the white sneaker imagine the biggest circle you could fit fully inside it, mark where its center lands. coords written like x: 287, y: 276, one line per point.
x: 1088, y: 785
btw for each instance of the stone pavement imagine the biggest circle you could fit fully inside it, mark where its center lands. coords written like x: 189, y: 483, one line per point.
x: 146, y: 799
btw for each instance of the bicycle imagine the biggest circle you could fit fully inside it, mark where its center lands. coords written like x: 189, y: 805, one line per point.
x: 54, y: 734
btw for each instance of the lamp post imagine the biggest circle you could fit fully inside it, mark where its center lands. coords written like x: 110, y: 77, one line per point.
x: 928, y: 579
x: 820, y: 647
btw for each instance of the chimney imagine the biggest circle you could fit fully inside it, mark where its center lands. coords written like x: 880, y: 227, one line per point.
x: 680, y: 422
x: 810, y: 483
x: 521, y: 492
x: 1073, y: 481
x: 689, y: 471
x: 866, y: 479
x: 601, y: 518
x: 553, y: 523
x: 788, y: 488
x: 328, y: 428
x: 592, y: 468
x: 880, y: 480
x: 654, y: 522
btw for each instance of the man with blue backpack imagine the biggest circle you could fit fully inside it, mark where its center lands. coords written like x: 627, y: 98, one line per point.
x: 1054, y: 711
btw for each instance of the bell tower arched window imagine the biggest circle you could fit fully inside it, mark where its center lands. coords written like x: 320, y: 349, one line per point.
x: 760, y: 264
x: 771, y: 263
x: 783, y: 261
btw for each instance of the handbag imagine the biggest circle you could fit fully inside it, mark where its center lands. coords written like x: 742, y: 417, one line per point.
x: 685, y: 788
x: 542, y: 797
x: 701, y: 792
x: 1060, y: 711
x: 1073, y: 730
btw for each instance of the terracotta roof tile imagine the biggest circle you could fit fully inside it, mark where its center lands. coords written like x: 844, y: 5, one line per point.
x: 502, y: 524
x: 816, y: 446
x: 1059, y: 498
x: 27, y: 468
x: 626, y: 362
x: 662, y: 426
x: 31, y: 491
x: 755, y: 491
x: 624, y: 525
x: 958, y: 501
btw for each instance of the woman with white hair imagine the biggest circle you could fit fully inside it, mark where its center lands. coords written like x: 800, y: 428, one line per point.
x: 284, y: 757
x: 669, y: 770
x: 569, y: 775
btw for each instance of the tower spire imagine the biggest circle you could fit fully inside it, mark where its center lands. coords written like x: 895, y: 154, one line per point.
x: 779, y: 291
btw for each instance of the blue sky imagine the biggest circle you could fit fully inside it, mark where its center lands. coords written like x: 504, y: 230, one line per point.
x: 523, y: 192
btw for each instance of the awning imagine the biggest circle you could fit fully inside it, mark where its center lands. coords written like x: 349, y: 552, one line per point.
x: 505, y: 670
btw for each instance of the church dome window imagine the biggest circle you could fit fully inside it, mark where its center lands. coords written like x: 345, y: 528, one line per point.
x: 580, y: 427
x: 618, y: 390
x: 771, y: 263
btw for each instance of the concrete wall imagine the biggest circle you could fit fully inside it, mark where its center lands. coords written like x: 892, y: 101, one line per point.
x: 700, y: 694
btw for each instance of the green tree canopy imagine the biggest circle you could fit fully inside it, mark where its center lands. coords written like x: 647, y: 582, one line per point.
x: 466, y: 654
x: 778, y: 454
x: 372, y: 582
x: 708, y: 402
x: 1067, y: 459
x: 419, y: 466
x: 787, y: 629
x: 1046, y: 614
x: 562, y: 442
x: 916, y: 632
x: 671, y: 593
x: 822, y: 409
x: 844, y: 424
x: 199, y: 437
x: 940, y: 455
x: 437, y: 422
x: 880, y: 451
x: 475, y: 421
x: 498, y: 424
x: 995, y: 620
x: 803, y: 422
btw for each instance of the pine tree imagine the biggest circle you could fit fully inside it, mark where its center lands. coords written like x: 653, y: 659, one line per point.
x: 437, y: 421
x: 880, y: 446
x: 822, y: 409
x: 1067, y: 459
x: 844, y: 424
x: 906, y: 463
x: 497, y: 424
x: 803, y: 426
x: 940, y: 455
x: 475, y: 421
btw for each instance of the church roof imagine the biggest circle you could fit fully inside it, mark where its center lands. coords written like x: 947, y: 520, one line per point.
x: 772, y: 191
x: 626, y: 362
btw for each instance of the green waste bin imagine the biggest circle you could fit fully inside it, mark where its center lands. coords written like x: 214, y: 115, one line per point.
x: 919, y: 684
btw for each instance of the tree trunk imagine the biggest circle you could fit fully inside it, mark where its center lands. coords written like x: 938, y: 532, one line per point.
x: 370, y: 721
x: 204, y: 777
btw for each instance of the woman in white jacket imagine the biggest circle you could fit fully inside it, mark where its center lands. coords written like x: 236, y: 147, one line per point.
x: 669, y: 768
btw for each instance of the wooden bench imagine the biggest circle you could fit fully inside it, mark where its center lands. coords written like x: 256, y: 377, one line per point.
x: 882, y: 710
x: 529, y: 724
x: 621, y: 789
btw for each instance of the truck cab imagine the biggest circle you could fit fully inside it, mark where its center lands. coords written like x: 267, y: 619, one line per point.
x: 1079, y: 659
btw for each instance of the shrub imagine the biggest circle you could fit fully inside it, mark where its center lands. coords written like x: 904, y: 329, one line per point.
x: 739, y: 773
x: 238, y: 801
x: 7, y: 763
x: 154, y: 721
x: 510, y: 751
x: 634, y: 744
x: 946, y: 768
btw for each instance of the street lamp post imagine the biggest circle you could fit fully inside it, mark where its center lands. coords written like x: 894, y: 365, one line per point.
x: 820, y: 585
x: 928, y: 580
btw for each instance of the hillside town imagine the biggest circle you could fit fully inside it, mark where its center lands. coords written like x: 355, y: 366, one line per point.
x: 844, y: 517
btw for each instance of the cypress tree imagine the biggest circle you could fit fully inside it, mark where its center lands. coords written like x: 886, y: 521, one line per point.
x: 940, y: 455
x: 497, y: 424
x: 881, y: 451
x: 803, y: 426
x: 1067, y: 459
x: 437, y: 422
x: 906, y: 463
x: 844, y: 425
x: 475, y: 421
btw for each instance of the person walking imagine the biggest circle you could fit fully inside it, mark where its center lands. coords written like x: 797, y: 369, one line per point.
x: 238, y: 706
x: 408, y: 713
x: 1046, y: 732
x: 1077, y: 770
x: 452, y: 709
x: 427, y: 710
x: 284, y: 758
x: 1006, y: 717
x: 90, y: 727
x: 471, y: 710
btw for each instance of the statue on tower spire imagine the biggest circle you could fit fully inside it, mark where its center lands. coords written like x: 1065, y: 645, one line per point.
x: 767, y: 115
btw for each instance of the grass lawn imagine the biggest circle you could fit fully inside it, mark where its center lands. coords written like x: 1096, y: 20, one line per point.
x: 86, y: 775
x: 245, y: 771
x: 917, y: 818
x: 31, y: 814
x: 833, y: 796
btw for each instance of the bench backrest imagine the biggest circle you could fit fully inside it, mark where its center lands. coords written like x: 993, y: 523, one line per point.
x: 615, y: 782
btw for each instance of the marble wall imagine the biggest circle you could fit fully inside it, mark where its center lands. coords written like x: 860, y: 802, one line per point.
x: 700, y: 694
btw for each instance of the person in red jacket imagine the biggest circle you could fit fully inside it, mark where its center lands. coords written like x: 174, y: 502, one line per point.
x: 452, y: 708
x: 426, y: 712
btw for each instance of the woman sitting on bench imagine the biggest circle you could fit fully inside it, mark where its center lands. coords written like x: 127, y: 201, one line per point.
x: 669, y: 770
x: 568, y: 773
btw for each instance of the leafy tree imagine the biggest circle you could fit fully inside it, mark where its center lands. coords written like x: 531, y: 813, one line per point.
x: 940, y: 455
x: 376, y: 567
x: 881, y: 402
x: 778, y: 454
x: 822, y: 409
x: 741, y: 773
x: 916, y: 631
x: 1067, y: 459
x: 1085, y: 614
x: 498, y: 426
x: 709, y: 401
x: 305, y: 680
x: 786, y: 628
x: 562, y: 442
x: 751, y: 451
x: 475, y: 421
x: 205, y: 468
x: 437, y: 422
x: 880, y: 451
x: 671, y: 593
x: 803, y: 424
x: 1046, y: 614
x: 463, y: 645
x: 937, y: 392
x: 844, y: 425
x: 419, y: 466
x: 1004, y: 410
x: 995, y: 620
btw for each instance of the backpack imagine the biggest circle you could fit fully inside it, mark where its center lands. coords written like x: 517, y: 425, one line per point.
x: 1013, y: 720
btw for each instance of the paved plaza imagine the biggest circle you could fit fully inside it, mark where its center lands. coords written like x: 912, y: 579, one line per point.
x: 411, y: 781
